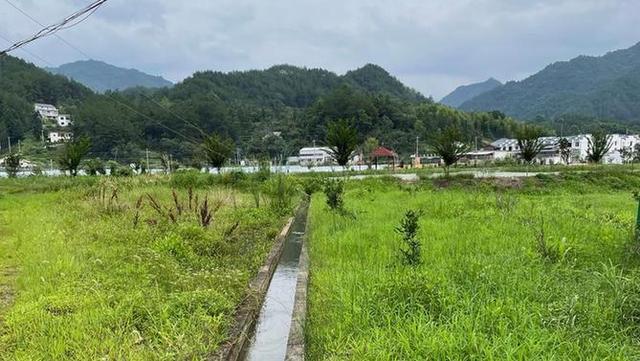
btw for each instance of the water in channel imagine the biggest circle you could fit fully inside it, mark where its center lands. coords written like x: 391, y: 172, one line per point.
x: 269, y: 342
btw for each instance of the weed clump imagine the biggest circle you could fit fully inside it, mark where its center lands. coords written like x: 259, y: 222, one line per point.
x: 281, y: 192
x: 334, y: 190
x: 311, y: 185
x: 550, y: 251
x: 411, y: 249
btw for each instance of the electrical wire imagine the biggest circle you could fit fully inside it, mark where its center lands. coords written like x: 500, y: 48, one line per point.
x: 70, y: 21
x: 175, y: 115
x: 42, y: 25
x: 92, y: 8
x: 27, y: 51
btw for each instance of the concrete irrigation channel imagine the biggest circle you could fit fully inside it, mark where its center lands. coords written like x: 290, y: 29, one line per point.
x: 263, y: 327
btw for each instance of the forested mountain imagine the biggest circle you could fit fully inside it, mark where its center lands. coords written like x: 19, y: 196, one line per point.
x: 100, y: 76
x: 269, y: 114
x: 602, y: 87
x: 289, y: 85
x: 468, y: 92
x: 373, y: 78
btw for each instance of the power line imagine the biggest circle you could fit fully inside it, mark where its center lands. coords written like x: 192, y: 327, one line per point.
x: 56, y: 35
x: 175, y: 115
x: 70, y: 21
x: 93, y: 8
x: 27, y: 51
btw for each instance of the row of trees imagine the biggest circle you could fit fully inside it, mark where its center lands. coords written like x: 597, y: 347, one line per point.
x: 69, y: 159
x: 343, y: 141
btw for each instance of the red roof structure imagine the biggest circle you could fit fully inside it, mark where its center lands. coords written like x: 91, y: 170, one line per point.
x: 382, y: 152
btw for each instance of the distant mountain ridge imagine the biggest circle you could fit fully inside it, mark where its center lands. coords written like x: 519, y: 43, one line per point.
x: 607, y: 86
x: 290, y: 85
x: 100, y: 76
x: 467, y: 92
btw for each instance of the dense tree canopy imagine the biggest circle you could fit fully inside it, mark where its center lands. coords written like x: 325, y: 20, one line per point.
x: 269, y: 114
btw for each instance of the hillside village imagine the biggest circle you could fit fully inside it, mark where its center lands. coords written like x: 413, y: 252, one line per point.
x: 623, y: 149
x: 57, y: 129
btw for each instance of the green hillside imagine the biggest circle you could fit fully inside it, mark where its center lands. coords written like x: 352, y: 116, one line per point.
x: 269, y: 113
x: 21, y: 85
x: 603, y: 87
x: 467, y: 92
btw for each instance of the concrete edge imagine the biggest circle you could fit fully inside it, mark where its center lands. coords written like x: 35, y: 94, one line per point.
x: 296, y: 346
x: 248, y: 310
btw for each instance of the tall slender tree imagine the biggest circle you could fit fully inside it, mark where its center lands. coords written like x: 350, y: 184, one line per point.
x: 599, y: 145
x: 449, y: 146
x: 71, y: 155
x: 529, y: 142
x: 342, y: 139
x: 564, y: 146
x: 218, y: 149
x: 369, y: 146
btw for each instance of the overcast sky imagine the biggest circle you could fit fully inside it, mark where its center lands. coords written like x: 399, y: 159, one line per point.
x: 431, y: 45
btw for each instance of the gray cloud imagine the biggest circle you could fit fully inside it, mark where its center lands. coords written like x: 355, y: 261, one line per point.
x: 432, y: 45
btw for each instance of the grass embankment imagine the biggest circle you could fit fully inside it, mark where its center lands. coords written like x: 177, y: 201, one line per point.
x: 80, y: 281
x: 546, y: 270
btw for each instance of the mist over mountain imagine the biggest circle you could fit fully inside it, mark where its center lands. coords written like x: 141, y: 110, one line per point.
x: 467, y: 92
x: 100, y: 76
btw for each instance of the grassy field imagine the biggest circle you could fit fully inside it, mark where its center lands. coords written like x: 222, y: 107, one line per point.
x: 544, y: 269
x: 89, y: 270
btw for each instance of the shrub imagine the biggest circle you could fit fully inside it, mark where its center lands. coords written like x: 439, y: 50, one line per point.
x: 234, y: 178
x: 281, y: 191
x: 408, y: 230
x: 264, y: 171
x: 334, y: 190
x: 12, y: 164
x: 311, y: 185
x: 122, y: 171
x: 192, y: 179
x: 94, y: 167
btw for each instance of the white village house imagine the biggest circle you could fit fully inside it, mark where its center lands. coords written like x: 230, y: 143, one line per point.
x: 56, y: 127
x: 314, y: 156
x: 508, y: 149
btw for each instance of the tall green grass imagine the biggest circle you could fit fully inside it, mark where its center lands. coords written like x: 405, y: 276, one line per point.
x: 87, y: 283
x: 483, y: 291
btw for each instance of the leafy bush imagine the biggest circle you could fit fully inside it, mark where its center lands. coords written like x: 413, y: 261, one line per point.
x: 334, y: 191
x: 281, y: 192
x: 122, y: 171
x: 408, y: 230
x: 12, y: 164
x: 192, y: 179
x: 264, y: 171
x: 94, y: 167
x: 235, y: 178
x: 311, y: 185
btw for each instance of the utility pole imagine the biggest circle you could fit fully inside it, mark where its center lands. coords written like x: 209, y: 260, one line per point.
x: 417, y: 147
x: 170, y: 161
x: 148, y: 168
x: 9, y: 139
x: 19, y: 146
